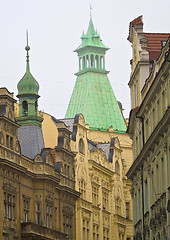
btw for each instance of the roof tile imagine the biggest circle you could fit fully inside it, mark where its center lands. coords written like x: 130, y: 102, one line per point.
x: 154, y: 45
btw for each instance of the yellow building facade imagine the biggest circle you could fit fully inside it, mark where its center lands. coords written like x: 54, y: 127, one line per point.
x: 149, y: 131
x: 102, y: 159
x: 66, y: 178
x: 38, y: 198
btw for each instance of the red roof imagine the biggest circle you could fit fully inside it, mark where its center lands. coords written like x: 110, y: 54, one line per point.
x: 137, y: 20
x: 154, y: 45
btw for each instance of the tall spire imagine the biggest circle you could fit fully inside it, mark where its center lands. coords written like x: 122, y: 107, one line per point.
x: 90, y: 11
x: 28, y: 84
x: 27, y: 48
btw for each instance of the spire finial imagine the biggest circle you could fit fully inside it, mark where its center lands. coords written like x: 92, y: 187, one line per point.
x: 90, y: 11
x: 27, y: 48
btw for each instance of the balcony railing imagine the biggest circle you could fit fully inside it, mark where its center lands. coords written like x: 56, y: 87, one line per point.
x: 31, y: 231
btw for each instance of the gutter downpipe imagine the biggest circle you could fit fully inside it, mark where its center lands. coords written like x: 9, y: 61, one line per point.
x: 143, y: 140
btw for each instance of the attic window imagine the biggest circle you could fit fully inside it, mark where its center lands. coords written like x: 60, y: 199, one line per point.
x: 163, y: 43
x: 81, y: 146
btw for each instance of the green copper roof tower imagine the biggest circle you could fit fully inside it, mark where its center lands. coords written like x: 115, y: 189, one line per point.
x: 93, y: 95
x: 28, y: 97
x: 30, y: 132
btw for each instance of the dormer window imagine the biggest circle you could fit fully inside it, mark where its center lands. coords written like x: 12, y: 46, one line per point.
x: 163, y: 43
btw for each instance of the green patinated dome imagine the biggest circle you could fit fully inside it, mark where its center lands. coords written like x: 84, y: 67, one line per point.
x: 28, y: 84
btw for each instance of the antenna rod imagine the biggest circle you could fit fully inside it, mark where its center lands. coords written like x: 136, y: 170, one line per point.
x: 90, y: 11
x: 27, y: 36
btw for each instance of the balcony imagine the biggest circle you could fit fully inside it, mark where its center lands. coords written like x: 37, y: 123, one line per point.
x: 31, y: 231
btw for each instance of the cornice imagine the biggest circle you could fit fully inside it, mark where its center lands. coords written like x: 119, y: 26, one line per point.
x: 101, y: 168
x: 9, y: 120
x: 155, y: 85
x: 95, y: 70
x: 25, y: 171
x: 137, y: 69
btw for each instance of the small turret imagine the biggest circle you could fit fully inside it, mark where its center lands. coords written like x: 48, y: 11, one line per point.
x: 28, y: 97
x: 30, y: 133
x: 91, y: 51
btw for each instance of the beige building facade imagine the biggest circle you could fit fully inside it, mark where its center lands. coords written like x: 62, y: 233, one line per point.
x: 149, y: 130
x: 66, y: 178
x: 38, y: 198
x: 102, y: 159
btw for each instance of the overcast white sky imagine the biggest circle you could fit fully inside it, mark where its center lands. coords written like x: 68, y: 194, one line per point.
x: 55, y: 28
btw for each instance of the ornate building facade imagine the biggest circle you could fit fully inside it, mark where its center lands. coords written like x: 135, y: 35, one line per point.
x: 102, y: 147
x: 149, y: 130
x: 66, y: 179
x: 38, y: 196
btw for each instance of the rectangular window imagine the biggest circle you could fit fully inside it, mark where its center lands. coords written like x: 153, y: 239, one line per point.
x: 127, y: 210
x: 118, y: 206
x: 135, y: 210
x: 38, y: 213
x: 11, y: 142
x: 163, y: 175
x: 95, y: 232
x: 49, y: 215
x: 67, y: 225
x: 7, y: 141
x: 95, y: 195
x: 85, y: 229
x: 137, y: 149
x: 9, y: 205
x: 146, y: 196
x: 25, y: 209
x: 153, y: 118
x: 158, y: 111
x: 105, y: 199
x: 146, y: 130
x: 105, y: 234
x: 139, y: 204
x: 163, y: 103
x: 82, y: 188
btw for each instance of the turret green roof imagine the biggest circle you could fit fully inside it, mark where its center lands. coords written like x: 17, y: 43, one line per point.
x: 93, y: 95
x: 28, y: 84
x: 91, y: 38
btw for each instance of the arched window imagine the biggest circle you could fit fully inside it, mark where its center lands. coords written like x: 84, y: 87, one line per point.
x: 101, y: 62
x: 81, y: 146
x: 84, y: 62
x: 96, y: 61
x: 25, y: 108
x: 36, y: 106
x: 80, y: 64
x: 87, y: 57
x: 92, y: 60
x: 117, y: 167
